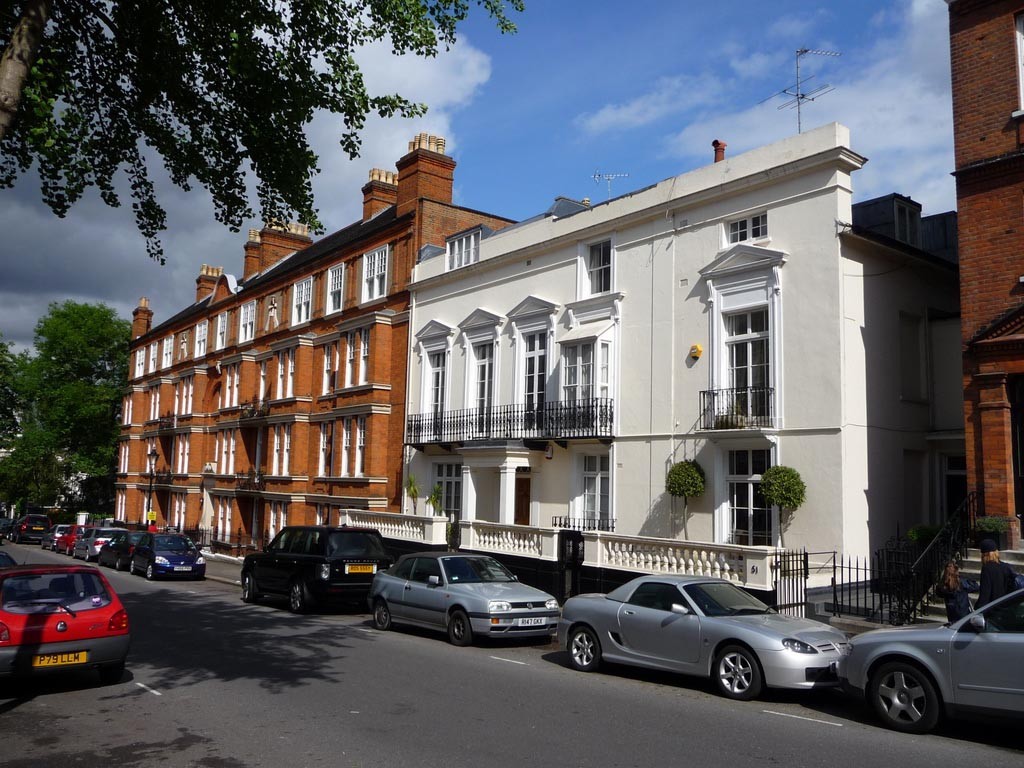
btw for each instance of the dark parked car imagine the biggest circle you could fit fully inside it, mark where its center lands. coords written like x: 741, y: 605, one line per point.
x: 29, y: 529
x: 167, y: 554
x: 315, y: 565
x: 6, y: 560
x: 119, y: 550
x: 47, y: 542
x: 6, y: 523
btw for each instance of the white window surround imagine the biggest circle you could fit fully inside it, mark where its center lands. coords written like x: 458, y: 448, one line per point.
x: 167, y: 353
x: 480, y: 327
x: 584, y: 286
x: 152, y: 357
x: 433, y: 339
x: 722, y: 509
x: 302, y: 299
x: 532, y: 315
x: 463, y: 250
x: 200, y: 339
x: 364, y: 355
x: 746, y: 277
x: 334, y: 289
x: 752, y: 228
x: 221, y: 339
x: 140, y: 362
x: 578, y: 457
x: 247, y: 322
x: 1019, y: 23
x: 375, y: 273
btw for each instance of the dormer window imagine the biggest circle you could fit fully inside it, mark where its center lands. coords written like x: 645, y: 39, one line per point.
x: 908, y: 220
x: 464, y: 250
x: 750, y: 228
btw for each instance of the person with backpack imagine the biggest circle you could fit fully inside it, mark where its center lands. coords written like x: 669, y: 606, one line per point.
x: 997, y: 578
x: 953, y: 588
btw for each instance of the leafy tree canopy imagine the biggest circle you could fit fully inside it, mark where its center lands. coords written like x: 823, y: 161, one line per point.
x: 783, y: 487
x: 8, y: 394
x: 686, y: 479
x: 216, y: 88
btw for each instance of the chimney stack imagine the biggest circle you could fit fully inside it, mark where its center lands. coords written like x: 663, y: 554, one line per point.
x: 379, y: 193
x: 425, y: 173
x: 142, y: 318
x: 267, y: 246
x: 207, y: 280
x: 719, y: 150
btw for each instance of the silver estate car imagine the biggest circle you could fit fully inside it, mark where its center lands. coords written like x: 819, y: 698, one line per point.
x: 464, y: 594
x: 913, y: 675
x: 700, y: 626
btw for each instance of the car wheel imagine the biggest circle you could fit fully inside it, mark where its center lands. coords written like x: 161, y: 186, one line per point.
x: 584, y: 649
x: 381, y: 615
x: 904, y: 698
x: 297, y: 599
x: 737, y: 673
x: 249, y: 594
x: 460, y: 631
x: 112, y: 673
x: 117, y: 563
x: 150, y: 572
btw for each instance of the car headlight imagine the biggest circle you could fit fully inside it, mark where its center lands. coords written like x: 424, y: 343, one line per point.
x: 325, y: 571
x: 798, y: 645
x: 551, y: 604
x: 200, y: 560
x: 497, y: 606
x: 161, y: 560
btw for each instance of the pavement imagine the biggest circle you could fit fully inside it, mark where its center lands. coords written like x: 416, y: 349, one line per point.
x: 223, y: 568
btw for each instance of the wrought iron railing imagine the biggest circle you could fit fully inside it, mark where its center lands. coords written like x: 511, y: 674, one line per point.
x: 164, y: 477
x: 254, y: 409
x: 590, y: 418
x: 745, y: 408
x: 584, y: 523
x: 250, y: 481
x: 167, y: 421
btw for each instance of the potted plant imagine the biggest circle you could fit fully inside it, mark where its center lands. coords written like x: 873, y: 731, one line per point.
x: 434, y: 499
x: 993, y: 527
x: 783, y: 487
x: 412, y: 488
x: 686, y: 479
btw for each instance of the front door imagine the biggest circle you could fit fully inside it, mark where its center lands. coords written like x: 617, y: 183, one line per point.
x: 522, y: 509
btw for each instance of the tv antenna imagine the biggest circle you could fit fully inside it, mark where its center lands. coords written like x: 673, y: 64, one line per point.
x: 598, y: 177
x: 799, y: 95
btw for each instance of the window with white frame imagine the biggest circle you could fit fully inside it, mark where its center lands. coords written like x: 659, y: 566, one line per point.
x: 346, y: 445
x: 750, y: 515
x: 438, y: 364
x: 302, y: 293
x: 747, y: 348
x: 182, y: 453
x: 375, y: 271
x: 578, y: 371
x: 179, y: 509
x: 359, y: 465
x: 595, y: 483
x: 364, y: 355
x: 282, y: 449
x: 200, y: 338
x: 749, y: 228
x: 140, y: 362
x: 599, y: 267
x: 154, y: 403
x: 464, y: 250
x: 324, y: 451
x: 121, y: 512
x: 262, y: 393
x: 449, y: 477
x: 223, y: 518
x: 1019, y: 21
x: 323, y: 514
x: 286, y: 449
x: 278, y: 518
x: 167, y: 359
x: 350, y: 356
x: 535, y: 370
x: 483, y: 383
x: 232, y: 377
x: 227, y: 451
x: 335, y: 285
x: 285, y: 373
x: 126, y: 410
x: 122, y: 463
x: 221, y: 340
x: 152, y: 357
x: 186, y: 386
x: 330, y: 379
x: 247, y: 322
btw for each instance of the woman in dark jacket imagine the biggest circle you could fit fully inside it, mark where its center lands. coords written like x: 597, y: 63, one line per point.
x: 953, y: 588
x: 996, y: 577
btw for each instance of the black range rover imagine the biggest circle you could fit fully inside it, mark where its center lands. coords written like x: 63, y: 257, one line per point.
x: 315, y: 564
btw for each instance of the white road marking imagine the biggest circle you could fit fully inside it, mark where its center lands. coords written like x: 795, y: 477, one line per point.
x: 798, y: 717
x: 367, y: 631
x: 147, y: 688
x: 510, y: 661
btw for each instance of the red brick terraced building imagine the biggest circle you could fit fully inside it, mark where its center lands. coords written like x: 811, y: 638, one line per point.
x: 278, y: 397
x: 987, y: 62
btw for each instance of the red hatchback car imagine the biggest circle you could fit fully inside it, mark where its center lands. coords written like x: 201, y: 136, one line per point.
x: 66, y: 541
x: 61, y: 617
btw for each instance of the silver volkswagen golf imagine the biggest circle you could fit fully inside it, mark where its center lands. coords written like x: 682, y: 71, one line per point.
x: 700, y: 626
x: 464, y: 594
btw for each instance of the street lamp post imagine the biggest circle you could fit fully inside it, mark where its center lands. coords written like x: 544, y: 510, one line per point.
x: 152, y: 474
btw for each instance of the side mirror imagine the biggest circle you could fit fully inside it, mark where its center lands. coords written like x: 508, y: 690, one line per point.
x: 434, y: 581
x: 978, y: 622
x: 682, y: 610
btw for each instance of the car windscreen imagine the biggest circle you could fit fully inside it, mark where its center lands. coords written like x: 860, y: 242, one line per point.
x: 6, y: 560
x: 473, y: 570
x: 724, y: 599
x: 53, y: 592
x: 173, y: 544
x: 354, y: 544
x: 37, y: 520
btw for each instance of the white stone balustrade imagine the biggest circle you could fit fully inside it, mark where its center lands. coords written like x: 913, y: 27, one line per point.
x: 519, y: 540
x: 427, y: 530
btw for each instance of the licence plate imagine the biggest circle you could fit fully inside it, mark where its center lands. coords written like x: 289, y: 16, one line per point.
x: 60, y: 659
x: 183, y: 567
x: 361, y: 568
x: 532, y: 621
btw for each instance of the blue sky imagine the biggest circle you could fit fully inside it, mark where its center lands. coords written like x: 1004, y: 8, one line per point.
x: 586, y: 85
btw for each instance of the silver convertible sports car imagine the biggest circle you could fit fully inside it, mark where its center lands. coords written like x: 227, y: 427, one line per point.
x: 700, y: 626
x: 466, y: 595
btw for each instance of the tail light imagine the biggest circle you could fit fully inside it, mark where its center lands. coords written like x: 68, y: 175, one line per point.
x: 5, y: 633
x: 23, y: 527
x: 131, y: 549
x: 119, y: 621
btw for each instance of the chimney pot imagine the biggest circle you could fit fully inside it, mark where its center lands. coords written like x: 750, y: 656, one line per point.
x: 719, y: 150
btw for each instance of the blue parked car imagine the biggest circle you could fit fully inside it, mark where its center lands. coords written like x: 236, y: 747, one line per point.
x: 168, y: 554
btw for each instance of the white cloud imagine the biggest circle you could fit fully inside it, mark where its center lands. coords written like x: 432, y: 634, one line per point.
x: 669, y: 96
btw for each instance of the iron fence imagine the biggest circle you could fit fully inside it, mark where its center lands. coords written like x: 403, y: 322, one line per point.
x: 584, y: 523
x: 590, y: 418
x: 740, y: 408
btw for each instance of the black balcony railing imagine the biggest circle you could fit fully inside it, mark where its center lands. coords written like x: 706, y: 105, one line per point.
x: 164, y: 477
x: 250, y: 481
x: 745, y: 408
x: 167, y: 421
x: 584, y: 523
x: 254, y: 409
x: 591, y: 418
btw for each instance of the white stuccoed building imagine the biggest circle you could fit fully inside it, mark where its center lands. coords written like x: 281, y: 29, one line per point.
x: 735, y: 315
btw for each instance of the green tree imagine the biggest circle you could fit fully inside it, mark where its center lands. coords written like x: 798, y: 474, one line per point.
x: 8, y: 394
x: 213, y: 87
x: 685, y: 479
x: 70, y: 398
